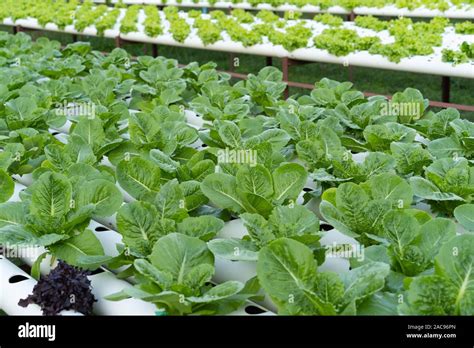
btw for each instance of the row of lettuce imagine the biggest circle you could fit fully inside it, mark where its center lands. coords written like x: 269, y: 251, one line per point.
x: 441, y: 5
x: 409, y: 38
x: 395, y: 177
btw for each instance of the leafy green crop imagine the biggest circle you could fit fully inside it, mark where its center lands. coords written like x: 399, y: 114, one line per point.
x: 449, y: 290
x: 155, y: 149
x: 55, y: 215
x: 175, y: 277
x: 448, y: 182
x: 287, y: 271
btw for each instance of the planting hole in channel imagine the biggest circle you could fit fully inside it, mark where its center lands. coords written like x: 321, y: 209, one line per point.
x: 307, y: 189
x: 17, y: 279
x: 101, y: 229
x: 326, y: 227
x: 254, y: 310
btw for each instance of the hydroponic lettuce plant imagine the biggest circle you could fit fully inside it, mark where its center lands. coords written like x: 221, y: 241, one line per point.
x: 152, y: 22
x: 55, y: 214
x: 410, y: 245
x: 87, y: 15
x: 129, y: 22
x: 448, y: 291
x: 464, y: 214
x: 371, y: 22
x: 329, y: 94
x: 207, y: 31
x: 456, y: 141
x: 341, y: 42
x: 176, y: 277
x: 254, y: 135
x: 329, y: 19
x: 264, y: 89
x: 411, y: 158
x: 344, y: 168
x: 142, y: 223
x: 161, y: 131
x: 255, y: 189
x: 87, y: 144
x: 465, y: 28
x: 287, y: 271
x: 358, y: 210
x: 107, y: 21
x: 294, y: 37
x: 448, y: 182
x: 163, y: 79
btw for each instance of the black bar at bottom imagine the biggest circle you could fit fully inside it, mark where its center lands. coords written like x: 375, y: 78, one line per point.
x: 347, y: 330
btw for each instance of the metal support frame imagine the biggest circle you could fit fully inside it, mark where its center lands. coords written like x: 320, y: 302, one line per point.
x: 351, y: 16
x: 445, y: 88
x: 269, y: 61
x: 350, y: 73
x: 74, y: 37
x: 154, y: 50
x: 286, y: 63
x: 118, y: 42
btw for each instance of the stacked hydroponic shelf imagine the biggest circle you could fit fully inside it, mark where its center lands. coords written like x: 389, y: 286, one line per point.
x: 184, y: 193
x: 436, y: 47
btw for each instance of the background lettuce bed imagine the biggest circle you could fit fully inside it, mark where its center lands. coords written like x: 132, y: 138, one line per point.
x: 328, y: 164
